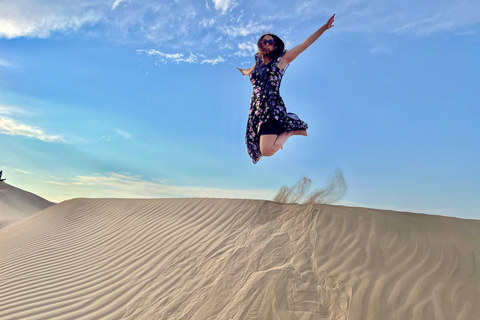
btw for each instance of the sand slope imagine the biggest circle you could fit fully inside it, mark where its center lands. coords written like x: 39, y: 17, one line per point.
x: 237, y: 259
x: 17, y: 204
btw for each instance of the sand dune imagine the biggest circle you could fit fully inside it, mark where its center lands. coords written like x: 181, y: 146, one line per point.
x: 237, y: 259
x: 17, y: 204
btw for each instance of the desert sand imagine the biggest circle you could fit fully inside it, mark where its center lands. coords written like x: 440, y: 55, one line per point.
x: 17, y: 204
x: 237, y: 259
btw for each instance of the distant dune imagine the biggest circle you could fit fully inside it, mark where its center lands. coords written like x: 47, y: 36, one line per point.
x: 237, y: 259
x: 17, y: 204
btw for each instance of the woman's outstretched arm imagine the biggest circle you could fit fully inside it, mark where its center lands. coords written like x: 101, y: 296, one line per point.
x: 291, y: 54
x: 246, y: 72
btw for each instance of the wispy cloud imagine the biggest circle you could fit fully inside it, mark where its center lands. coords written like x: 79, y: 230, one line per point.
x: 406, y: 18
x: 160, y: 21
x: 124, y: 134
x: 247, y: 49
x: 39, y: 18
x: 22, y: 171
x: 169, y: 57
x: 224, y: 5
x: 5, y: 63
x: 13, y: 128
x: 116, y: 3
x: 179, y: 26
x: 213, y: 61
x: 458, y: 16
x: 179, y: 57
x: 12, y: 110
x: 126, y: 185
x: 246, y: 30
x: 207, y: 23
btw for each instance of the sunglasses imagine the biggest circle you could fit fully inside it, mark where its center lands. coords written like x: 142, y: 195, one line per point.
x: 270, y: 42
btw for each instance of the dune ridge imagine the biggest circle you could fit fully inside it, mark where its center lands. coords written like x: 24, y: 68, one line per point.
x: 237, y: 259
x: 17, y: 204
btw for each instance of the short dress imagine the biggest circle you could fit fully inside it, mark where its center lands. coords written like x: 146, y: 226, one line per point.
x: 267, y: 107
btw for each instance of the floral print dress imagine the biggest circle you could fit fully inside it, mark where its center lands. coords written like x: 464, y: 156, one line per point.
x: 266, y: 102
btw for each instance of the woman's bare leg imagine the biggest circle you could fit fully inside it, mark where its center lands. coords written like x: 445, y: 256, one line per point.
x: 271, y: 143
x: 283, y: 137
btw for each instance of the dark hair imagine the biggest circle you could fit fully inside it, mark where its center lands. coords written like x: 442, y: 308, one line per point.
x: 279, y: 45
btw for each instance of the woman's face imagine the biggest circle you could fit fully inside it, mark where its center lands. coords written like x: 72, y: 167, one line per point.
x: 268, y: 44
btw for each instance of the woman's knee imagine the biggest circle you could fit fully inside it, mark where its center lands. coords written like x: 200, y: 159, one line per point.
x: 268, y: 151
x: 267, y: 145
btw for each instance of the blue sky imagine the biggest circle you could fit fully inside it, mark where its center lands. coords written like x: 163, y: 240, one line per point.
x: 143, y: 99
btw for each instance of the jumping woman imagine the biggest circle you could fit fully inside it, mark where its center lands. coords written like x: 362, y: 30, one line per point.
x: 269, y: 125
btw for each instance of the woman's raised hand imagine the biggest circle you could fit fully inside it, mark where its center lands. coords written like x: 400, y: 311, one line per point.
x: 329, y: 23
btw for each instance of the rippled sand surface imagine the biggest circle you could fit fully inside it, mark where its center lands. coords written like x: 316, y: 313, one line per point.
x: 237, y: 259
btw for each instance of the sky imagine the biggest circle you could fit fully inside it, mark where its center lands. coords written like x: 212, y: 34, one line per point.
x: 142, y: 99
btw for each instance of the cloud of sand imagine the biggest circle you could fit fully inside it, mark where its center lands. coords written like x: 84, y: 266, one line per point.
x: 334, y: 192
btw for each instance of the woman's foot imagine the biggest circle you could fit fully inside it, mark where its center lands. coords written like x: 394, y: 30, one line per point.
x: 299, y: 133
x: 294, y: 133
